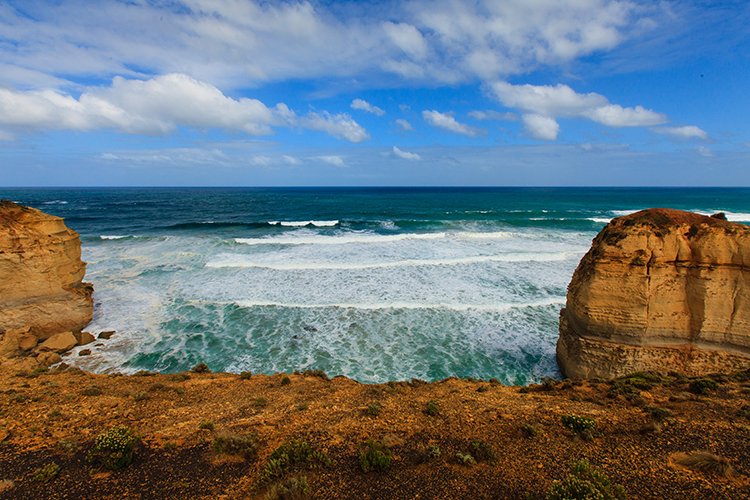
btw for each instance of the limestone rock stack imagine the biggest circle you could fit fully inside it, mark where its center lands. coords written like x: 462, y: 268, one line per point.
x: 661, y: 290
x: 42, y: 293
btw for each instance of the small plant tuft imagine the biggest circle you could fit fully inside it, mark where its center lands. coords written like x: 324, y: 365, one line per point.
x: 114, y: 449
x: 584, y: 483
x: 373, y: 410
x: 94, y: 390
x: 374, y: 456
x: 705, y: 462
x: 201, y: 368
x: 583, y: 426
x: 179, y: 377
x: 292, y: 453
x: 245, y: 446
x: 432, y: 408
x: 286, y: 380
x: 702, y: 386
x: 657, y: 414
x: 529, y: 430
x: 482, y: 451
x: 207, y: 425
x: 465, y: 459
x: 46, y: 473
x: 246, y: 375
x: 294, y: 488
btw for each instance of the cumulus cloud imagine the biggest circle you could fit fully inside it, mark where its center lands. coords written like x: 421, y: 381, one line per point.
x: 447, y: 122
x: 541, y: 127
x: 363, y: 105
x: 492, y: 115
x: 236, y: 44
x: 684, y: 132
x: 158, y: 106
x: 404, y: 124
x: 405, y: 155
x: 544, y: 103
x: 335, y: 160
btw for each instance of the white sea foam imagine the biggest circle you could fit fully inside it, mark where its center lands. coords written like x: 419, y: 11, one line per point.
x: 303, y: 223
x: 248, y: 261
x: 504, y: 307
x: 603, y: 220
x: 113, y: 237
x: 55, y: 202
x: 368, y: 238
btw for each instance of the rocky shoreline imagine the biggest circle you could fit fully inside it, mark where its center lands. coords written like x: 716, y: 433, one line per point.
x: 656, y: 433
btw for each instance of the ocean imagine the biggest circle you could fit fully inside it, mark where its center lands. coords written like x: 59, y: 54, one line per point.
x: 376, y: 284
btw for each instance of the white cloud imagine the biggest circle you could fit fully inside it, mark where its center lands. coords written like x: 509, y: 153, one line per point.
x: 363, y: 105
x: 486, y: 115
x: 447, y: 122
x: 290, y: 160
x: 541, y: 127
x: 158, y: 106
x: 704, y: 151
x: 405, y: 155
x: 551, y: 102
x: 685, y: 132
x: 338, y: 125
x: 404, y: 124
x: 171, y: 156
x: 239, y: 44
x: 335, y: 160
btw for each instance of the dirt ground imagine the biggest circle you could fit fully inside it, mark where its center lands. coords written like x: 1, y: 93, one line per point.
x: 639, y: 425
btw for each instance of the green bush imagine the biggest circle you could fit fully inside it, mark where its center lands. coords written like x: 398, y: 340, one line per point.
x: 374, y: 456
x: 286, y: 380
x: 465, y: 459
x: 114, y: 449
x: 246, y: 375
x: 482, y: 451
x: 373, y: 410
x: 201, y: 368
x: 579, y: 425
x: 432, y: 408
x: 245, y: 446
x: 179, y: 377
x: 292, y: 453
x: 290, y: 489
x: 46, y: 473
x: 207, y: 425
x: 702, y: 386
x: 585, y: 483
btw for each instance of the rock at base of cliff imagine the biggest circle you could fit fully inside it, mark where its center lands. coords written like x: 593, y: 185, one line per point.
x: 59, y: 343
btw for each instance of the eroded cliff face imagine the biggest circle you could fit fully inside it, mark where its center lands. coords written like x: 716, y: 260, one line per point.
x: 662, y: 290
x: 41, y: 289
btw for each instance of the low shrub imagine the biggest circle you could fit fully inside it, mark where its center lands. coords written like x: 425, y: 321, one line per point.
x: 292, y: 453
x: 529, y: 430
x: 657, y: 413
x: 583, y: 426
x: 294, y: 488
x: 374, y: 456
x: 92, y: 391
x: 246, y: 375
x: 207, y: 425
x: 140, y: 396
x: 201, y: 368
x: 179, y: 377
x: 114, y: 448
x: 245, y: 446
x: 432, y: 408
x: 585, y: 483
x: 702, y: 386
x: 465, y: 459
x: 46, y: 473
x: 286, y: 380
x: 482, y: 451
x: 373, y: 410
x: 314, y: 373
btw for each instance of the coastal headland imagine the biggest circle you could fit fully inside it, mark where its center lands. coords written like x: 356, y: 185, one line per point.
x: 651, y: 434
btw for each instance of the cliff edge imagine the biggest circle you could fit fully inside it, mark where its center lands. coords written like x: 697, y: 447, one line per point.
x: 662, y: 290
x: 42, y: 293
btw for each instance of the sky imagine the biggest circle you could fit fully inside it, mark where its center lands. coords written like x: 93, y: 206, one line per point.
x: 358, y: 93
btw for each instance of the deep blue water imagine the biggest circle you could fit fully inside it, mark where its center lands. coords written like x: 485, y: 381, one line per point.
x: 373, y: 283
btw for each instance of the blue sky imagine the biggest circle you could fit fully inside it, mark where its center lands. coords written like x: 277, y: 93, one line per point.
x: 513, y: 92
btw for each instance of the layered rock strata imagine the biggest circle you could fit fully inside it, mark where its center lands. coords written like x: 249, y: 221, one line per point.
x: 42, y: 293
x: 662, y: 290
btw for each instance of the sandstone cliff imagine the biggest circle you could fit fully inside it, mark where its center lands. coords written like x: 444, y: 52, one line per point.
x: 659, y: 290
x: 41, y: 289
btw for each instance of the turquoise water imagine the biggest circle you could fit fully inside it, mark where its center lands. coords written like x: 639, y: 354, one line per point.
x: 375, y: 284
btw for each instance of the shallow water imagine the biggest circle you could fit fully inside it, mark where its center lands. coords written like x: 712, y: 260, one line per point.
x: 375, y: 284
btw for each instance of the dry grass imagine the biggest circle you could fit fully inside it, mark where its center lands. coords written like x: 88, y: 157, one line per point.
x: 704, y: 462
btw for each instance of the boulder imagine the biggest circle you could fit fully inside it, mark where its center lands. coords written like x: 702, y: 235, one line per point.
x: 662, y: 290
x: 85, y: 338
x: 41, y: 274
x: 106, y: 334
x: 59, y: 343
x: 48, y: 358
